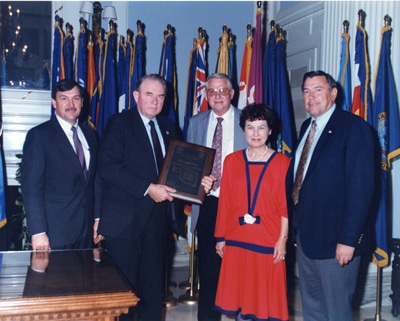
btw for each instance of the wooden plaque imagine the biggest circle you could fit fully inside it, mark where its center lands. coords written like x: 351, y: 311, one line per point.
x: 184, y: 166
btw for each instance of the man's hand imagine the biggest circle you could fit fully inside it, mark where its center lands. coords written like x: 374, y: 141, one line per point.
x: 344, y: 254
x: 40, y: 242
x: 160, y: 193
x: 96, y: 237
x: 207, y: 182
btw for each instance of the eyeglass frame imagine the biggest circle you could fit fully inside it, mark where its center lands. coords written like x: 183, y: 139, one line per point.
x: 223, y: 91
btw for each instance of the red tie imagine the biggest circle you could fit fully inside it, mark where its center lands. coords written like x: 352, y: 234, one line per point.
x: 302, y: 163
x: 217, y: 145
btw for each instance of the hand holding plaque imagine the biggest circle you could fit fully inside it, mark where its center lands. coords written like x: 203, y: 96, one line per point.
x: 185, y: 165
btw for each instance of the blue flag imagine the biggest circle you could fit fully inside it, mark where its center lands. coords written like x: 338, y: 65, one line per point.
x: 129, y: 62
x: 269, y: 60
x: 232, y: 61
x: 68, y: 49
x: 190, y: 90
x: 108, y: 98
x: 81, y: 58
x: 385, y: 119
x: 362, y: 98
x: 121, y: 68
x: 138, y: 63
x: 201, y: 77
x: 98, y: 84
x: 344, y: 77
x: 283, y: 102
x: 168, y: 72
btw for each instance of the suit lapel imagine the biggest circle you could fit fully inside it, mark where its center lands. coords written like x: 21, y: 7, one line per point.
x: 140, y: 132
x: 65, y: 146
x: 322, y: 142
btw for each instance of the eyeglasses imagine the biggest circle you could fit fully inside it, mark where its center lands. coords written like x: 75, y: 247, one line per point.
x: 222, y: 91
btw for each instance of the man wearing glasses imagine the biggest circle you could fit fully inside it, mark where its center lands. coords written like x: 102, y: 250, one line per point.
x: 222, y: 121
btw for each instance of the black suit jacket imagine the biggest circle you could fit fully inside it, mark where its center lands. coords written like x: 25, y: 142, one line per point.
x: 57, y: 198
x: 126, y: 168
x: 335, y: 198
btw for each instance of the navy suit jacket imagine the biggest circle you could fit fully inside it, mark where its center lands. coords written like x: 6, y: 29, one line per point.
x: 57, y: 198
x: 126, y: 169
x: 197, y: 134
x: 335, y: 198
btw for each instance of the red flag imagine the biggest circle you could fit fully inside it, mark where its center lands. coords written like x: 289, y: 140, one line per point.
x: 201, y: 77
x: 254, y: 89
x: 244, y: 74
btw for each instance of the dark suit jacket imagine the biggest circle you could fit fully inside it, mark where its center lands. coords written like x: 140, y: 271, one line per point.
x: 126, y: 168
x: 335, y: 197
x: 57, y: 198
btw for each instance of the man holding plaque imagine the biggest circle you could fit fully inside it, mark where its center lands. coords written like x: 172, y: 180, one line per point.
x: 216, y: 128
x: 133, y: 216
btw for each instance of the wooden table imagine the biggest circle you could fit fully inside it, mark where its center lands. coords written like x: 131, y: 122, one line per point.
x: 62, y: 285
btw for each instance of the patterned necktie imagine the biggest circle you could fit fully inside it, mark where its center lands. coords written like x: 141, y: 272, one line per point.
x: 302, y: 163
x: 79, y: 150
x: 217, y: 145
x: 156, y: 146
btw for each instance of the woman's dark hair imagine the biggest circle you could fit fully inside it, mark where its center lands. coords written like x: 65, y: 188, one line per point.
x: 66, y: 85
x: 257, y: 112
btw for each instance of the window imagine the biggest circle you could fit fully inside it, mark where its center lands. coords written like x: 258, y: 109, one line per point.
x: 25, y: 45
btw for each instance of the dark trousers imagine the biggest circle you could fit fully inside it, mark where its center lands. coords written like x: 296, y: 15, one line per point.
x: 326, y: 287
x: 142, y: 261
x: 209, y: 261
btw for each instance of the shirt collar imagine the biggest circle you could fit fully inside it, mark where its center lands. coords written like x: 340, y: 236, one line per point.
x: 66, y: 126
x: 225, y: 116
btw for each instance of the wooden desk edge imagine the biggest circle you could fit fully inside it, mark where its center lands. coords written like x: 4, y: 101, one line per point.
x: 52, y: 305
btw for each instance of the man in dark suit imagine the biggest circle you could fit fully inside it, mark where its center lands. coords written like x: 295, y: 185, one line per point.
x: 134, y: 207
x: 329, y: 212
x: 57, y: 189
x: 219, y: 93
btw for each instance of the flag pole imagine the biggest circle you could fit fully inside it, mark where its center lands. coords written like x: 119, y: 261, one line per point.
x: 190, y: 297
x: 378, y: 296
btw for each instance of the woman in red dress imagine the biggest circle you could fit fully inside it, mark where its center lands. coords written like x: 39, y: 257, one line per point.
x: 252, y: 225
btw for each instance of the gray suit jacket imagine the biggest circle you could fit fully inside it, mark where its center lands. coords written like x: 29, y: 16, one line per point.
x: 197, y: 134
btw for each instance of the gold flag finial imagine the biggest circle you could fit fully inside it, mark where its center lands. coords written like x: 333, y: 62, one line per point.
x: 249, y: 31
x: 68, y: 28
x: 280, y: 32
x: 272, y: 24
x: 82, y: 24
x: 129, y: 35
x: 361, y: 17
x: 388, y: 20
x: 139, y: 26
x: 346, y: 25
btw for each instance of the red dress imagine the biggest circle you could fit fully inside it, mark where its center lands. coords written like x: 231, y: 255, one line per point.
x: 249, y: 281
